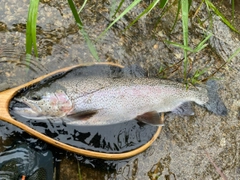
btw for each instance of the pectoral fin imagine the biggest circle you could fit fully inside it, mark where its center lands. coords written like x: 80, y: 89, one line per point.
x: 152, y: 118
x: 83, y: 115
x: 184, y: 109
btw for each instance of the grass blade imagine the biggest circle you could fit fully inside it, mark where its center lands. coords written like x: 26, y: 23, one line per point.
x: 233, y: 9
x: 74, y: 12
x: 185, y: 7
x: 176, y: 17
x: 113, y: 9
x: 237, y: 51
x: 163, y: 3
x: 201, y: 45
x: 90, y: 45
x: 134, y: 3
x: 79, y: 171
x: 83, y: 5
x: 195, y: 78
x: 218, y: 13
x: 31, y: 40
x: 187, y: 48
x: 83, y: 32
x: 119, y: 6
x: 146, y: 11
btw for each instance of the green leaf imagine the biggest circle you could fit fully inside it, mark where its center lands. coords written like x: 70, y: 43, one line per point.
x: 233, y: 9
x: 113, y: 9
x: 198, y: 73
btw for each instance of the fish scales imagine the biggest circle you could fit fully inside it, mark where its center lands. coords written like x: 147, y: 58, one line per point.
x: 119, y: 99
x: 108, y: 94
x: 123, y: 99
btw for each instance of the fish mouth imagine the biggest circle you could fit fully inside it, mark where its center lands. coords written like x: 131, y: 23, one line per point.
x: 23, y: 109
x: 19, y: 103
x: 25, y: 112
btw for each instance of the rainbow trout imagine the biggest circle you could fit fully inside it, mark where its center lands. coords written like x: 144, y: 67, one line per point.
x: 96, y: 100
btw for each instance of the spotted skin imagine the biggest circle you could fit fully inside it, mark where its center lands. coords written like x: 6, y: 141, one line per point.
x: 112, y: 100
x: 51, y: 105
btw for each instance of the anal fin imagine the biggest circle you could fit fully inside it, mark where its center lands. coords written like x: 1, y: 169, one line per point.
x: 151, y: 117
x: 184, y: 109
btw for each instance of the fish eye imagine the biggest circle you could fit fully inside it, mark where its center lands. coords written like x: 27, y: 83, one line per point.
x: 35, y: 97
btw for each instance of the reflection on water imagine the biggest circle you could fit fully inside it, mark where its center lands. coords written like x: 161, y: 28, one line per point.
x: 21, y: 161
x: 115, y: 138
x: 14, y: 60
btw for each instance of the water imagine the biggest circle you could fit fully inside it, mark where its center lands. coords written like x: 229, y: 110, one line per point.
x: 22, y: 161
x: 179, y: 152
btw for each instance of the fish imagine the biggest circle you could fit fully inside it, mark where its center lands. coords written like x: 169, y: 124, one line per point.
x: 101, y: 100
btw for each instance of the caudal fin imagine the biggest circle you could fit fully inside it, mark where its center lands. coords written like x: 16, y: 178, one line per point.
x: 215, y: 104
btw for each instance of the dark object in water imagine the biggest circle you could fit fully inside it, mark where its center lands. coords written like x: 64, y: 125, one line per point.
x: 21, y: 161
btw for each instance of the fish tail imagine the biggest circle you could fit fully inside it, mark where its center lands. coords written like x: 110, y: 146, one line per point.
x: 215, y: 104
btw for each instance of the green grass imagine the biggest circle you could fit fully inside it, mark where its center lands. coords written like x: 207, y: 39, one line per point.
x: 210, y: 6
x: 31, y: 40
x: 162, y: 4
x: 147, y: 10
x: 79, y: 171
x: 83, y: 5
x: 185, y: 10
x: 76, y: 16
x: 129, y: 8
x: 117, y: 12
x: 233, y: 10
x: 183, y: 7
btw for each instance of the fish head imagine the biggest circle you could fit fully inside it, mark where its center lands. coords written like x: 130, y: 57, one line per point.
x: 46, y: 105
